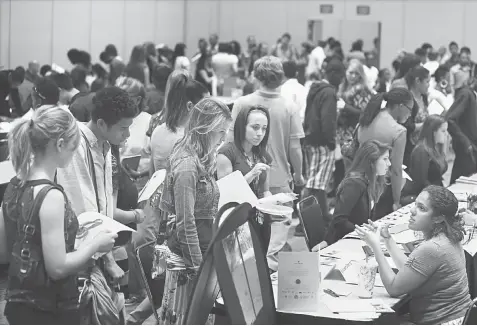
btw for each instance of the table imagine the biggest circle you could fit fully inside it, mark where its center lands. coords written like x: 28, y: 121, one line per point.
x: 350, y: 248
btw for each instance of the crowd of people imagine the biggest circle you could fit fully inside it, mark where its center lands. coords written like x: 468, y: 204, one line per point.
x: 317, y: 121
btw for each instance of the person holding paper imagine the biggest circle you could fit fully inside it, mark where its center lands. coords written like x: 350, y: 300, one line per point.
x: 47, y: 292
x: 435, y: 273
x: 359, y: 191
x: 88, y: 180
x: 248, y: 154
x: 190, y: 190
x: 428, y: 160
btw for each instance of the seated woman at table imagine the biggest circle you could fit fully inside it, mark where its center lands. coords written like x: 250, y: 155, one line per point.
x: 428, y: 160
x: 359, y: 191
x: 248, y: 154
x: 435, y: 272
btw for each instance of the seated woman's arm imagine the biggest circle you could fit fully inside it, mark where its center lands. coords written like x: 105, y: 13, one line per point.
x: 185, y: 182
x: 58, y: 263
x: 224, y: 166
x: 343, y: 221
x: 421, y: 264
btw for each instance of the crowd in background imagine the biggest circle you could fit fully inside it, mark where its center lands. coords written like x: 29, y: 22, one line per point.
x: 315, y: 119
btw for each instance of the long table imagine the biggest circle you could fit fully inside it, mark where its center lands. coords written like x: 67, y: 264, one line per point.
x: 350, y: 248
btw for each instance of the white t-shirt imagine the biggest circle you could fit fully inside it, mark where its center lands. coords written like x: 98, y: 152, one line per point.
x: 371, y: 75
x: 162, y: 143
x: 182, y: 63
x: 444, y: 100
x: 317, y: 56
x: 224, y: 65
x: 138, y: 142
x: 295, y: 92
x: 431, y: 66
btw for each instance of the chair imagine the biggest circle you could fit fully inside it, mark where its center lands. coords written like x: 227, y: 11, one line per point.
x: 206, y: 287
x: 314, y: 227
x: 242, y: 269
x: 471, y: 314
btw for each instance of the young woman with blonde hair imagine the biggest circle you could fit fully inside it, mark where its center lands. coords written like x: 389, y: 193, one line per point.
x: 40, y: 224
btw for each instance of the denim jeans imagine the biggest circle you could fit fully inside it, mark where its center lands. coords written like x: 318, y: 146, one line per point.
x: 279, y: 232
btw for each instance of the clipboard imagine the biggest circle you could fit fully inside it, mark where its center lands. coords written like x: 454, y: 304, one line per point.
x: 131, y: 162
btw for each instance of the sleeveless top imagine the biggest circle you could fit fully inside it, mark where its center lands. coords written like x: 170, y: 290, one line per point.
x: 49, y: 295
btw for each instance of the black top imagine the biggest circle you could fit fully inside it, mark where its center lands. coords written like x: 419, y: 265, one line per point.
x: 353, y: 206
x: 321, y: 116
x: 198, y: 76
x: 240, y: 162
x: 424, y: 171
x: 36, y: 289
x: 6, y: 90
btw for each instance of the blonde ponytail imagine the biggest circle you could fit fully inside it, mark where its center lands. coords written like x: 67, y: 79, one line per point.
x: 30, y: 138
x: 21, y: 152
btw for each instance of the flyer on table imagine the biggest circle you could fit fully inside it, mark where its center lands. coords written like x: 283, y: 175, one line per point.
x: 298, y: 281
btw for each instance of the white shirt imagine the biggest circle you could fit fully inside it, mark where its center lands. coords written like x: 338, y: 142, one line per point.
x: 138, y: 141
x: 317, y: 56
x: 182, y: 63
x: 431, y: 66
x: 293, y: 91
x: 371, y: 75
x: 224, y: 64
x: 444, y: 100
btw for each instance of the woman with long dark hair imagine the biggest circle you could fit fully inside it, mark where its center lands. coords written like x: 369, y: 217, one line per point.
x: 434, y: 275
x: 248, y: 154
x: 179, y: 60
x: 381, y: 120
x: 359, y: 191
x: 428, y: 160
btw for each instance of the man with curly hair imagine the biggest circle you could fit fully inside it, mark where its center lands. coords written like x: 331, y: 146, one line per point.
x: 87, y: 180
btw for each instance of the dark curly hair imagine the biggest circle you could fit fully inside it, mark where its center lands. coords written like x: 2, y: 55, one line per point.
x: 112, y: 104
x: 444, y: 203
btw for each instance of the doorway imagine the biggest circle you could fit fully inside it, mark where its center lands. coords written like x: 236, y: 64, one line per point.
x: 347, y: 31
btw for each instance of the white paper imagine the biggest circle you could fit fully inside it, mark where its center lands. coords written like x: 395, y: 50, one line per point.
x: 280, y: 198
x: 435, y: 108
x: 151, y: 186
x: 298, y: 284
x: 234, y: 188
x: 6, y: 172
x: 405, y: 175
x: 341, y: 305
x: 106, y: 224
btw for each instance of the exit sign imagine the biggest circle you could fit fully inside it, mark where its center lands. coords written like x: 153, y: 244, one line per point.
x: 363, y: 10
x: 326, y: 9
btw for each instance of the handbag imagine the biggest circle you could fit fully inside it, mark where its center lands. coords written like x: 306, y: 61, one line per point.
x: 350, y: 146
x: 99, y: 303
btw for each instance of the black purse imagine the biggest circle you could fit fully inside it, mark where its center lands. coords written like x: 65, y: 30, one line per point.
x: 27, y: 266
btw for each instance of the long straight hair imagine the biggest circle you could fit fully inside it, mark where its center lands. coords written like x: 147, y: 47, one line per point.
x: 364, y: 164
x: 180, y: 90
x: 30, y: 137
x: 208, y: 116
x: 427, y: 140
x: 240, y: 128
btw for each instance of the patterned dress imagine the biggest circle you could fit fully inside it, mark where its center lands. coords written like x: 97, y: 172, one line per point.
x: 358, y: 97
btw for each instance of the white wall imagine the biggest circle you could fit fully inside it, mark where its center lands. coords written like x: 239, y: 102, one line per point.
x: 45, y: 29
